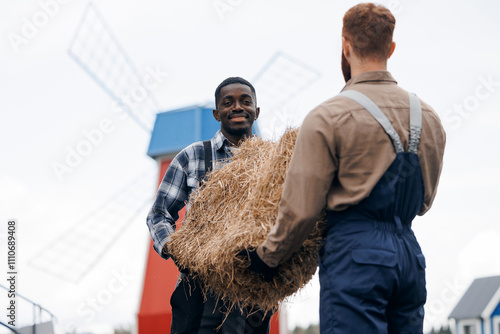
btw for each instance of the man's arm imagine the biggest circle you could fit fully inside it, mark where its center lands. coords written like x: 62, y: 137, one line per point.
x: 170, y: 199
x: 431, y: 152
x: 308, y: 180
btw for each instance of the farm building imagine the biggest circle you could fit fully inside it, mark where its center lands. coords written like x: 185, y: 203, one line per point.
x: 478, y: 312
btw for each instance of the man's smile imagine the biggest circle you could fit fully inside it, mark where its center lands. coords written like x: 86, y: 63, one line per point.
x: 238, y: 118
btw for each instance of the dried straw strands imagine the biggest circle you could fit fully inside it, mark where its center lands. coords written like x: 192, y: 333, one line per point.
x: 235, y: 210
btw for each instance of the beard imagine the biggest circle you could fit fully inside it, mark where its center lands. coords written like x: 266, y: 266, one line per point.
x: 346, y: 68
x: 238, y: 132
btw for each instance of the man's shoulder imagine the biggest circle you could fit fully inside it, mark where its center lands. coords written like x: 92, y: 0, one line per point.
x: 339, y: 109
x: 430, y: 116
x: 192, y: 150
x: 335, y: 106
x: 194, y: 146
x: 195, y: 150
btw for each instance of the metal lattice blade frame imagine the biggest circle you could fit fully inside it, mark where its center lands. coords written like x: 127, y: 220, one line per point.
x: 281, y: 78
x: 77, y: 250
x: 98, y: 52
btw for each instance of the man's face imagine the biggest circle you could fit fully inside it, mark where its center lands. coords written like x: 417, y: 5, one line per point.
x: 236, y: 110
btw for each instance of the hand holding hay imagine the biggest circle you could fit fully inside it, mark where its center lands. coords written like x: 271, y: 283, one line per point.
x: 234, y: 210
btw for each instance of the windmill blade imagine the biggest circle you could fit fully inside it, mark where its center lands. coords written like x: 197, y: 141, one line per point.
x: 281, y: 78
x: 76, y: 251
x: 97, y: 51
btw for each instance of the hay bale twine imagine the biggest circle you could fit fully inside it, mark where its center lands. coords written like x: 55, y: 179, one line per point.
x: 234, y: 209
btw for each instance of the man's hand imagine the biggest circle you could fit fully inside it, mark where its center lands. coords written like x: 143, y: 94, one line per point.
x: 259, y: 266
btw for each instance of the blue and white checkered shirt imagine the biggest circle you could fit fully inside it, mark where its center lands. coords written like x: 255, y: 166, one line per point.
x: 182, y: 177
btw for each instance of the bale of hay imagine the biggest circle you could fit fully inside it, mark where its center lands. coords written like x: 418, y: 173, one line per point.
x: 233, y: 210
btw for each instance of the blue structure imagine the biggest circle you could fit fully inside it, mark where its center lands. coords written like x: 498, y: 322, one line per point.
x: 176, y: 129
x: 478, y: 312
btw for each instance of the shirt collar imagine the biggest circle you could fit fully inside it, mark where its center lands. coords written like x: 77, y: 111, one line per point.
x: 371, y: 76
x: 219, y: 140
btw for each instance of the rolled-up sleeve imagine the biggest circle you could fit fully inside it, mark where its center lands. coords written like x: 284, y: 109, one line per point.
x: 309, y: 178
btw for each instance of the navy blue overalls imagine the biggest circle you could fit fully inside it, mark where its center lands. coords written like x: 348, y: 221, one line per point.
x: 372, y: 271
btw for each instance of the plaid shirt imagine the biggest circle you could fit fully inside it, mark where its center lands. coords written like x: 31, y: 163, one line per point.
x: 182, y: 177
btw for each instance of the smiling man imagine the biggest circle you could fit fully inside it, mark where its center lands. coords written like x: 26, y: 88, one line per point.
x: 236, y: 109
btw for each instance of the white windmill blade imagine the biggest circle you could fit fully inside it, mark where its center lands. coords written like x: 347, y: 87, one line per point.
x: 97, y: 51
x: 76, y: 251
x: 281, y: 78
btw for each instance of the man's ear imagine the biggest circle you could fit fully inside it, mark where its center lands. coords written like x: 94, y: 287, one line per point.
x: 257, y: 113
x: 216, y: 115
x: 393, y: 46
x: 346, y: 47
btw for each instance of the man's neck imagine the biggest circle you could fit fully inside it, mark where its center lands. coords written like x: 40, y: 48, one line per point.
x: 236, y: 140
x: 368, y: 66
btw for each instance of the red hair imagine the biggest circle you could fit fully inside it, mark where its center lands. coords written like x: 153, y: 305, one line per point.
x: 369, y: 29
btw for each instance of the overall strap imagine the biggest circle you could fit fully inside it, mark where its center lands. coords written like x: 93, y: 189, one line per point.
x: 415, y: 123
x: 207, y: 146
x: 375, y: 111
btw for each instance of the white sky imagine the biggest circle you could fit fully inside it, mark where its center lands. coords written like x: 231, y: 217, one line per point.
x: 447, y: 53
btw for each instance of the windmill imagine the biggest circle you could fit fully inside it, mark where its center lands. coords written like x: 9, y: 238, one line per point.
x: 95, y: 49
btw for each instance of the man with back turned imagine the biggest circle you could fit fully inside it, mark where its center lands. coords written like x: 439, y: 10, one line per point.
x: 371, y: 157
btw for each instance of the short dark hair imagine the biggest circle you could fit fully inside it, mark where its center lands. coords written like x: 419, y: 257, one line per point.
x: 369, y: 28
x: 230, y: 81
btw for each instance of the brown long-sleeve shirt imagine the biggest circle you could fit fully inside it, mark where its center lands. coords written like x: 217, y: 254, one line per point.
x: 340, y: 154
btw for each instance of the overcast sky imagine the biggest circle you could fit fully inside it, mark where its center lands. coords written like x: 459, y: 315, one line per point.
x: 447, y: 53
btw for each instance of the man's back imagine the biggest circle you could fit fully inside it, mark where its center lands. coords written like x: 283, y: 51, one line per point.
x: 363, y: 149
x: 357, y: 156
x: 359, y: 153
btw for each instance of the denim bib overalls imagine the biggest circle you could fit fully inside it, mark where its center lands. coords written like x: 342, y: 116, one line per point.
x: 372, y: 271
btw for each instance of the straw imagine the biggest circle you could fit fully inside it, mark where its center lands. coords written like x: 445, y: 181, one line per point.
x: 233, y: 210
